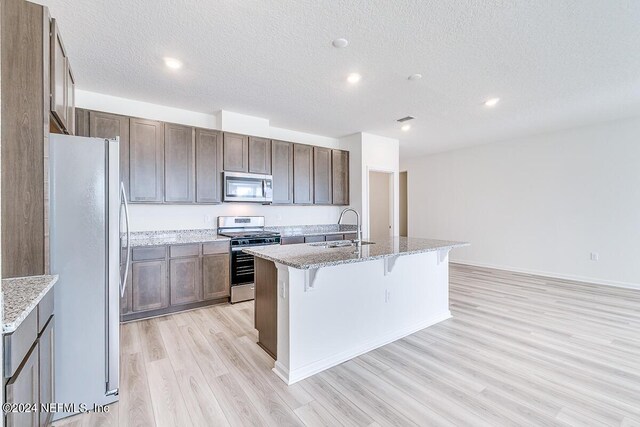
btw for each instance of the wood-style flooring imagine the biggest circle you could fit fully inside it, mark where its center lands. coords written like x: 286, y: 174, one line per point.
x: 519, y: 350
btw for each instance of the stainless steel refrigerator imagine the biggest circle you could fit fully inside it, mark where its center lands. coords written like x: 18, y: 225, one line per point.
x: 86, y: 221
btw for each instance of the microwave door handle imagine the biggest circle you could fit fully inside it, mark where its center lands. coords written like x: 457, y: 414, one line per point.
x: 264, y: 190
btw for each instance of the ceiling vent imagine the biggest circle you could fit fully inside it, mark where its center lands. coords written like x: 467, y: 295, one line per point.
x: 405, y: 119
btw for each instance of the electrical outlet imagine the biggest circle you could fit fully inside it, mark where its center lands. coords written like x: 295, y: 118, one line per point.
x: 595, y: 256
x: 207, y: 219
x: 387, y: 295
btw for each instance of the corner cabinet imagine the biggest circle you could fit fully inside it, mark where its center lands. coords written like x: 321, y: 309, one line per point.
x: 29, y: 370
x: 146, y: 161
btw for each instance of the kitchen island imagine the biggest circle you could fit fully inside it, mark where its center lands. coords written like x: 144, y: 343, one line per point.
x: 317, y: 306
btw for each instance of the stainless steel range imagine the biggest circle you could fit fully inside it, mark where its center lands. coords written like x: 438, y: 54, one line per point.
x: 245, y: 232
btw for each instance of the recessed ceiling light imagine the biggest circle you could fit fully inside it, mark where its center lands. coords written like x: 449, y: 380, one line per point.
x: 354, y: 78
x: 491, y: 102
x: 405, y: 128
x: 173, y: 63
x: 340, y: 43
x: 414, y: 77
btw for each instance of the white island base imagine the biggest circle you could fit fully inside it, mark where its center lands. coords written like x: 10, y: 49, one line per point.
x: 329, y: 315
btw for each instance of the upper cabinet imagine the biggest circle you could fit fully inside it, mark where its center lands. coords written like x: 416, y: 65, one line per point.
x: 340, y: 177
x: 302, y: 174
x: 146, y: 161
x: 105, y: 125
x: 282, y: 171
x: 322, y: 176
x: 179, y: 163
x: 171, y: 163
x: 235, y: 152
x: 208, y: 166
x: 259, y: 155
x: 62, y: 83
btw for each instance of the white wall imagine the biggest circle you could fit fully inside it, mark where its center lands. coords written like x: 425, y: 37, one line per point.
x: 172, y: 217
x: 540, y: 204
x: 369, y: 152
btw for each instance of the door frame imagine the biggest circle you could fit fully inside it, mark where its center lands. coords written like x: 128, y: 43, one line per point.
x: 365, y: 208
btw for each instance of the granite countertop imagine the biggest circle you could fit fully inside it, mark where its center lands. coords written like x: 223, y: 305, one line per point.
x: 312, y: 230
x: 304, y: 256
x: 173, y: 237
x: 20, y: 296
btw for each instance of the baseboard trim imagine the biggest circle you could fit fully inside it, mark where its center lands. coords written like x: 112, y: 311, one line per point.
x: 293, y: 376
x: 585, y: 280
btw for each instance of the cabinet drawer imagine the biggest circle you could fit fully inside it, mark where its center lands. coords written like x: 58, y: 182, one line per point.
x: 291, y: 240
x: 18, y: 343
x: 143, y: 254
x: 313, y: 239
x: 184, y: 250
x: 45, y: 310
x: 333, y: 237
x: 215, y: 248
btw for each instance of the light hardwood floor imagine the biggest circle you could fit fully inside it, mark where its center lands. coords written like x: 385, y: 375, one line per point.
x: 520, y: 350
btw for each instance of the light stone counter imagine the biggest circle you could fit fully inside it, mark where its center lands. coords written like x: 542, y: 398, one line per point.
x: 20, y: 296
x: 310, y: 256
x: 173, y: 237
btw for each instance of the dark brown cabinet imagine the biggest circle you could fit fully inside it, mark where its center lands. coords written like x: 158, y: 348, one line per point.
x: 340, y: 177
x: 71, y: 99
x: 171, y: 163
x: 235, y: 152
x: 146, y: 161
x: 259, y: 155
x: 59, y: 77
x: 314, y: 239
x: 149, y: 286
x: 105, y: 125
x: 292, y: 240
x: 302, y: 174
x: 166, y: 279
x: 208, y: 166
x: 24, y: 387
x: 282, y: 171
x: 215, y: 276
x: 179, y: 163
x: 185, y: 281
x: 25, y: 128
x: 47, y: 369
x: 266, y: 305
x: 322, y: 176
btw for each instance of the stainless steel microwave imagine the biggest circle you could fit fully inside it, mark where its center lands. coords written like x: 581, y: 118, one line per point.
x: 247, y: 187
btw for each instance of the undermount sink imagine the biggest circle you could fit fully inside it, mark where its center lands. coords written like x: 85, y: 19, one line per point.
x: 338, y: 244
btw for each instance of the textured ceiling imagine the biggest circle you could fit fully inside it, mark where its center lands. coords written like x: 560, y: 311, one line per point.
x: 553, y: 63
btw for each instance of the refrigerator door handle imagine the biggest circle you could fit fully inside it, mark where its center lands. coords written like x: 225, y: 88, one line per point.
x: 123, y: 285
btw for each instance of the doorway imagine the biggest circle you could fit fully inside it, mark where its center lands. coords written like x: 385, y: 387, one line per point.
x: 404, y: 220
x: 380, y: 204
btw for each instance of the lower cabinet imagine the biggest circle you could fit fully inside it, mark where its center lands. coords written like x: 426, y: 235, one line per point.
x: 149, y: 285
x: 29, y: 366
x: 215, y: 276
x: 24, y: 387
x: 185, y: 280
x: 166, y: 279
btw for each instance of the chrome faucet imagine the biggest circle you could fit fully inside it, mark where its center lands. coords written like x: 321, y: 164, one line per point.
x: 358, y: 239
